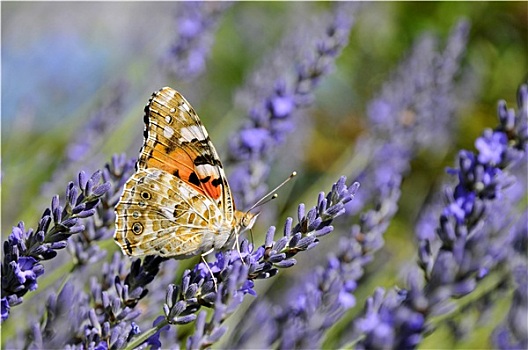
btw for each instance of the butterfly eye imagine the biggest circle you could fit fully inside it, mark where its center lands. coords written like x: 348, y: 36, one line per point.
x: 137, y: 228
x: 249, y: 220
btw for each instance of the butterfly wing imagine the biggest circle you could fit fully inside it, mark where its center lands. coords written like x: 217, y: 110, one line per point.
x: 160, y: 214
x: 178, y: 143
x: 178, y: 203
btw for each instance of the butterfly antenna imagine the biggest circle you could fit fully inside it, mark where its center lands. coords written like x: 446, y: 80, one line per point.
x: 272, y: 193
x: 262, y: 201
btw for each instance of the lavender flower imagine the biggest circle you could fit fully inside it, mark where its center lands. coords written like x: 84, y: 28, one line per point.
x: 24, y: 250
x: 103, y: 318
x: 114, y: 298
x: 464, y: 257
x: 415, y: 109
x: 61, y: 321
x: 83, y: 247
x: 502, y: 216
x: 270, y: 117
x: 312, y: 223
x: 235, y: 276
x: 377, y: 324
x: 512, y: 333
x: 85, y: 251
x: 106, y: 316
x: 196, y: 23
x: 323, y: 297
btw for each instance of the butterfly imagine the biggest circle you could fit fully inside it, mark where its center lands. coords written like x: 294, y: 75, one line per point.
x: 178, y: 202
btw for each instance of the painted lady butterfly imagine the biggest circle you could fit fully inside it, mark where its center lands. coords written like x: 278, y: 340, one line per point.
x: 178, y: 202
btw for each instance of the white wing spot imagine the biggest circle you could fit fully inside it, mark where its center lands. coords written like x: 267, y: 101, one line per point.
x: 168, y: 132
x: 192, y: 132
x: 206, y: 169
x: 184, y: 191
x: 186, y: 107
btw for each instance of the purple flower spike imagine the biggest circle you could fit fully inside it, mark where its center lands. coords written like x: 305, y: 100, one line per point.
x: 491, y: 146
x: 325, y: 295
x: 196, y: 24
x: 512, y: 333
x: 5, y: 308
x: 270, y: 115
x: 24, y: 250
x: 254, y: 139
x: 468, y: 249
x: 235, y: 278
x: 281, y: 106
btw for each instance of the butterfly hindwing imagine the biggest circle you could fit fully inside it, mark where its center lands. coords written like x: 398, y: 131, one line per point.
x: 159, y: 214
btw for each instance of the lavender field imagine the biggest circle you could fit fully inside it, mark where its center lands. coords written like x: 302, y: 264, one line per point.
x: 405, y: 227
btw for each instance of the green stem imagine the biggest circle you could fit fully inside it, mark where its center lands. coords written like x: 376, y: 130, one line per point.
x: 490, y: 283
x: 485, y: 286
x: 144, y: 336
x: 51, y: 278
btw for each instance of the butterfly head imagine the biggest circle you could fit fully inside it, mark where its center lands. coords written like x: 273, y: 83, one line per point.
x: 245, y: 220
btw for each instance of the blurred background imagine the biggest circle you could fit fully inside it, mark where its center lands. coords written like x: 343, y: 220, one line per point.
x: 69, y: 65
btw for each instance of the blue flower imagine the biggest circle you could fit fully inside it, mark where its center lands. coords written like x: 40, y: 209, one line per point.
x: 154, y: 340
x: 5, y: 308
x: 467, y: 240
x: 189, y: 27
x: 346, y: 296
x: 255, y: 139
x: 24, y: 250
x: 247, y: 288
x: 491, y: 146
x: 102, y: 345
x: 134, y: 329
x: 196, y: 24
x: 27, y: 270
x: 281, y: 106
x: 464, y: 253
x: 462, y: 205
x: 380, y: 111
x: 270, y: 113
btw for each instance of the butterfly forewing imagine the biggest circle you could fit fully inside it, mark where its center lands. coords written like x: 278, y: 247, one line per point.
x: 177, y: 142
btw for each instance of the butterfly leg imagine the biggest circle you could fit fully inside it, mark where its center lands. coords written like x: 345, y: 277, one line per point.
x: 208, y: 268
x: 237, y: 245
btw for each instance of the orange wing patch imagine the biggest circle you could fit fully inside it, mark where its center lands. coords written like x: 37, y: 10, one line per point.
x: 177, y: 142
x: 180, y: 163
